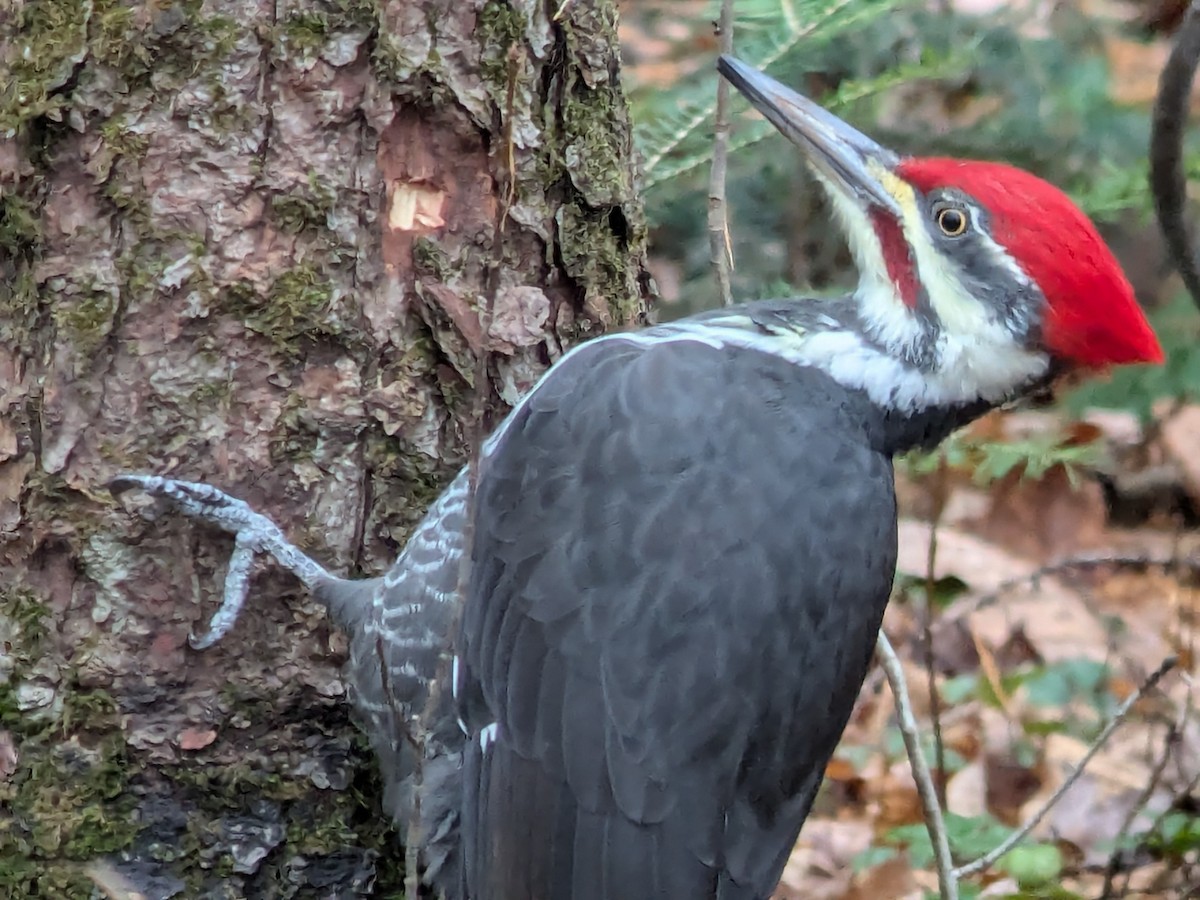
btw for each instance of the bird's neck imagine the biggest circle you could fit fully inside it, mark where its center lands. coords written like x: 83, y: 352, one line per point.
x: 921, y: 383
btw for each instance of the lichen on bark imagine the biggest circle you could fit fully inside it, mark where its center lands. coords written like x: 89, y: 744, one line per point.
x: 249, y: 243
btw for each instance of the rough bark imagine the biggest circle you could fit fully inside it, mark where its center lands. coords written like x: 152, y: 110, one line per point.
x: 251, y: 243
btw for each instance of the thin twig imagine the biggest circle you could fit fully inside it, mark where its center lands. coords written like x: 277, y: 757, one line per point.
x: 721, y: 251
x: 1171, y: 742
x: 1168, y: 180
x: 1183, y: 795
x: 935, y: 701
x: 1089, y: 560
x: 1115, y: 859
x: 934, y: 823
x: 781, y: 48
x: 1019, y: 835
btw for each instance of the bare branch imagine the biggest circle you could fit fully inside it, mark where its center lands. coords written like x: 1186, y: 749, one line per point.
x: 1170, y: 742
x: 1168, y: 182
x: 1089, y: 560
x: 935, y: 701
x: 934, y: 823
x: 718, y: 219
x: 1020, y: 834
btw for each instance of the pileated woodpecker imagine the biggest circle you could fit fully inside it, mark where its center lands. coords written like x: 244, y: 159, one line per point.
x: 684, y: 539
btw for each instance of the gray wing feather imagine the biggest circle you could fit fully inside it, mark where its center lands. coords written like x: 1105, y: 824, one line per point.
x: 682, y: 555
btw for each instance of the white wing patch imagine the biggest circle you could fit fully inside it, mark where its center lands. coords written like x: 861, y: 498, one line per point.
x: 487, y: 736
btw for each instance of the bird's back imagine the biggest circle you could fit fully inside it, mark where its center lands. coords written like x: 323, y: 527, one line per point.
x: 682, y: 554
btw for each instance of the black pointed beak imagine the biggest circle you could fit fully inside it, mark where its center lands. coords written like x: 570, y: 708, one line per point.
x: 845, y: 156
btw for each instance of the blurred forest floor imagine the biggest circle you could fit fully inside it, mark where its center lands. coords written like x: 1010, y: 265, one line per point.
x: 1028, y: 663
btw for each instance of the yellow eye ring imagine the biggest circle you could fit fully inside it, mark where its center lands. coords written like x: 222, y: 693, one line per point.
x: 952, y: 220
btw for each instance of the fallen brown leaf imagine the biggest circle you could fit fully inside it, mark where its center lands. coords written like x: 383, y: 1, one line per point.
x: 890, y: 880
x: 821, y: 864
x: 966, y: 791
x: 1044, y: 518
x: 1180, y: 437
x: 1009, y: 786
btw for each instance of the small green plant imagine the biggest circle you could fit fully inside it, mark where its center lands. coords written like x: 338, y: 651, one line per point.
x: 1032, y: 865
x: 1176, y: 836
x: 989, y: 460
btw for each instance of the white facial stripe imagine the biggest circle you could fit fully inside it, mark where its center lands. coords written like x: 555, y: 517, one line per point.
x: 1000, y: 256
x: 882, y: 310
x: 976, y: 355
x: 984, y: 366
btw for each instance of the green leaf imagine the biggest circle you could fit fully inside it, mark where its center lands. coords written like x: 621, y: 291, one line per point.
x: 1032, y: 865
x: 969, y: 838
x: 990, y: 460
x: 1177, y: 834
x: 1045, y: 727
x: 959, y: 688
x: 1058, y: 684
x: 946, y: 589
x: 871, y: 857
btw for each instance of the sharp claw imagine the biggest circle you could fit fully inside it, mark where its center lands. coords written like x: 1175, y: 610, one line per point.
x: 122, y: 483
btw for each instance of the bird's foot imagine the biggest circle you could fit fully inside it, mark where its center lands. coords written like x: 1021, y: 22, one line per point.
x: 253, y: 534
x: 196, y: 500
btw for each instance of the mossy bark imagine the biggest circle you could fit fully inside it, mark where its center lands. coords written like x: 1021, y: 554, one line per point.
x: 250, y: 243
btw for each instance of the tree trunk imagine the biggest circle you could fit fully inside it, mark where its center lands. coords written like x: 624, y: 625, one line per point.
x: 255, y: 244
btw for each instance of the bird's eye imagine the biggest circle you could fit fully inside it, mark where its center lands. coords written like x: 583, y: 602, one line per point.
x: 952, y: 221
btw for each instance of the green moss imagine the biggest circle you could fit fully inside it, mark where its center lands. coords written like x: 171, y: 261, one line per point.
x: 595, y: 148
x: 19, y: 304
x: 85, y: 319
x: 296, y: 306
x: 89, y: 709
x: 27, y: 612
x: 305, y: 31
x: 354, y: 13
x: 27, y: 878
x: 296, y: 213
x: 121, y: 141
x: 24, y: 625
x: 295, y: 439
x: 60, y: 39
x: 499, y: 28
x: 216, y: 393
x: 129, y: 197
x: 219, y: 789
x: 113, y: 39
x: 305, y: 209
x: 596, y: 254
x: 65, y: 804
x: 20, y: 230
x: 50, y: 44
x: 215, y: 35
x: 68, y: 801
x: 430, y: 259
x: 174, y: 44
x: 324, y: 830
